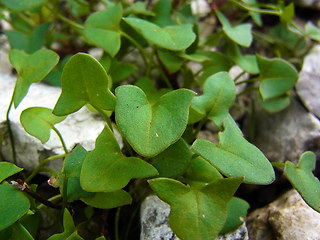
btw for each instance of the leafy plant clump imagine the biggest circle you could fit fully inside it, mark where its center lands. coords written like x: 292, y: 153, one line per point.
x: 158, y: 103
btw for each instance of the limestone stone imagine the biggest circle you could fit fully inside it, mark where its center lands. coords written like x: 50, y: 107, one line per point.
x: 287, y: 134
x: 308, y: 85
x: 154, y: 222
x: 287, y: 218
x: 81, y: 127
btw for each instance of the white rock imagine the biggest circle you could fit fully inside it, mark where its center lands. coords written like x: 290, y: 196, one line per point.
x: 154, y: 222
x: 200, y: 7
x: 308, y: 3
x: 81, y: 127
x: 288, y: 218
x: 308, y: 86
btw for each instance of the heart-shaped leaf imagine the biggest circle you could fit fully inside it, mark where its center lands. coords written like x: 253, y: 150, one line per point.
x: 237, y: 212
x: 234, y: 156
x: 274, y: 105
x: 241, y: 34
x: 8, y: 169
x: 102, y: 29
x: 176, y: 37
x: 69, y: 229
x: 13, y: 205
x: 83, y: 81
x: 72, y: 169
x: 107, y: 200
x: 151, y: 128
x: 20, y: 5
x: 174, y: 160
x: 106, y: 169
x: 196, y: 213
x: 218, y: 97
x: 277, y: 76
x: 31, y: 68
x: 302, y: 178
x: 38, y: 121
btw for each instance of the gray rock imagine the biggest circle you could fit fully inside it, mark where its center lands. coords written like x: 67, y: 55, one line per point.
x: 287, y: 134
x: 154, y: 223
x: 308, y: 3
x: 81, y: 127
x: 308, y: 86
x: 288, y: 218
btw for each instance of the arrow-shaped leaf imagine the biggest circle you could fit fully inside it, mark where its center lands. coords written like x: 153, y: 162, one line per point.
x: 151, y: 127
x: 196, y: 213
x: 38, y: 122
x: 175, y: 37
x: 106, y: 169
x: 234, y: 156
x: 83, y: 81
x: 31, y: 68
x: 218, y: 96
x: 277, y: 76
x: 102, y: 29
x: 302, y: 178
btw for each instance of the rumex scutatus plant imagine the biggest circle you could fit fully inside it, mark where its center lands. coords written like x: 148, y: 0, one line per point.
x: 158, y: 104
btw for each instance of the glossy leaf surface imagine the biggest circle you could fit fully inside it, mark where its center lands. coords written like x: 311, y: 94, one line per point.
x: 277, y: 76
x: 31, y: 68
x: 240, y: 34
x: 175, y: 37
x: 13, y: 205
x: 102, y: 29
x: 174, y: 160
x: 196, y: 213
x: 151, y: 127
x: 38, y: 122
x: 107, y: 200
x: 234, y: 156
x: 72, y: 169
x: 8, y: 169
x: 302, y: 178
x: 106, y: 169
x: 83, y: 81
x: 70, y: 231
x: 218, y: 97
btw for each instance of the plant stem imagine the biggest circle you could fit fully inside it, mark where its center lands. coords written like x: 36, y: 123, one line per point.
x: 64, y: 193
x: 41, y: 164
x: 13, y: 149
x: 61, y: 140
x: 278, y: 164
x: 263, y: 11
x: 49, y: 200
x: 116, y: 224
x: 239, y: 76
x: 106, y: 118
x: 247, y: 90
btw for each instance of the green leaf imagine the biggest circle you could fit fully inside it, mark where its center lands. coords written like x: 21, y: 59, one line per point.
x: 120, y: 71
x: 277, y: 77
x: 20, y: 5
x: 37, y: 37
x: 107, y: 200
x: 237, y: 212
x: 196, y: 213
x: 287, y: 14
x: 17, y: 40
x: 141, y: 8
x: 54, y: 77
x: 13, y: 205
x: 16, y: 231
x: 256, y: 17
x: 84, y: 81
x: 38, y: 122
x: 102, y: 29
x: 8, y: 169
x: 72, y: 169
x: 240, y: 34
x: 173, y: 161
x: 70, y: 231
x: 171, y: 61
x: 234, y: 156
x: 218, y: 97
x: 31, y: 68
x: 162, y: 10
x: 106, y: 169
x: 200, y: 170
x: 275, y: 104
x: 302, y: 179
x: 151, y: 128
x: 312, y: 31
x: 175, y: 37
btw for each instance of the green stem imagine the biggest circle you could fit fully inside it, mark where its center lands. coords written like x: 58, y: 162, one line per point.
x: 103, y: 114
x: 263, y: 11
x: 200, y: 125
x: 116, y: 224
x: 256, y: 79
x: 41, y: 164
x: 49, y: 200
x: 239, y: 76
x: 61, y: 140
x: 64, y: 193
x: 251, y: 89
x: 13, y: 149
x: 278, y: 164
